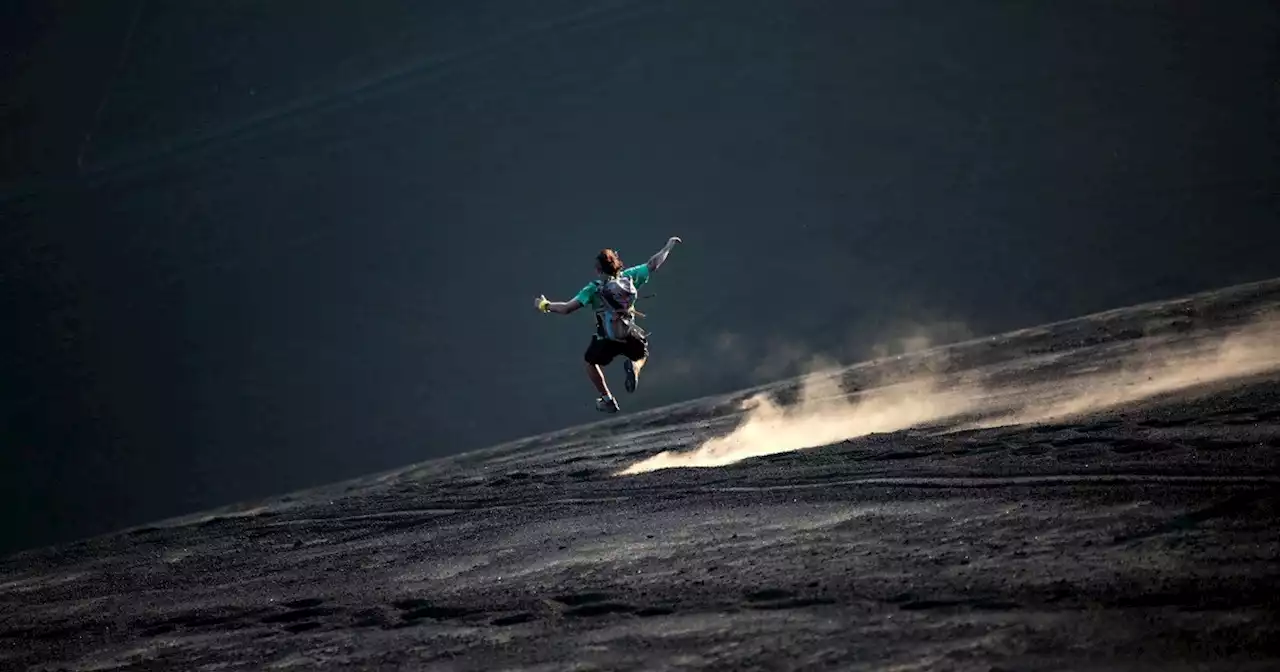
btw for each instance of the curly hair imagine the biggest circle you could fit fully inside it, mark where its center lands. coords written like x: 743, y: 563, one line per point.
x: 608, y: 262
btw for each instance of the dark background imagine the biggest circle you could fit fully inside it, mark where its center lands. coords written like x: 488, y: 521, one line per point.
x: 250, y: 247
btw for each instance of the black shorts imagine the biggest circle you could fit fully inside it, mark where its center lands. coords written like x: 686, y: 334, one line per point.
x: 602, y: 351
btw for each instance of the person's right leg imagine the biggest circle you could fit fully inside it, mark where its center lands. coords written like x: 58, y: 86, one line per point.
x: 636, y: 350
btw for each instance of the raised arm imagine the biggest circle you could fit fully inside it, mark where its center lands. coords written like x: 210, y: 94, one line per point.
x: 561, y: 307
x: 660, y: 257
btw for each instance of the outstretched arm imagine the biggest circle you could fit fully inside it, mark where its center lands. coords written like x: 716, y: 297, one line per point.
x: 660, y: 257
x: 562, y: 307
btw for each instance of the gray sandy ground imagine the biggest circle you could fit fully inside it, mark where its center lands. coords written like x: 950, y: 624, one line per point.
x: 1142, y: 537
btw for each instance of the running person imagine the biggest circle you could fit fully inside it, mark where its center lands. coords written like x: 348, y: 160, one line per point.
x: 613, y: 296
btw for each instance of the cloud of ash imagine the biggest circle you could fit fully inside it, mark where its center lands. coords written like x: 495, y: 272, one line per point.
x: 753, y: 358
x: 914, y: 336
x: 1168, y: 367
x: 824, y: 414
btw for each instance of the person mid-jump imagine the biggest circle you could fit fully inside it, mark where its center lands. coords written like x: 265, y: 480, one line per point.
x: 613, y: 297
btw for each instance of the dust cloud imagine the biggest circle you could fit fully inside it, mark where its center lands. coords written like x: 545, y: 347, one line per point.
x: 824, y: 414
x: 1163, y: 369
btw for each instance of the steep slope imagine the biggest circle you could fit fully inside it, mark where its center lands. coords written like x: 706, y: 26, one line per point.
x: 1100, y: 493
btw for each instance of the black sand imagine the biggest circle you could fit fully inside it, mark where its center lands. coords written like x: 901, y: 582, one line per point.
x: 1139, y: 536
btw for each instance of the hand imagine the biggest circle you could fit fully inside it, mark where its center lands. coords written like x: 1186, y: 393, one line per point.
x: 541, y: 303
x: 673, y: 241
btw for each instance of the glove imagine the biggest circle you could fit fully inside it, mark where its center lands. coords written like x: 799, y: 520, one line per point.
x: 542, y: 303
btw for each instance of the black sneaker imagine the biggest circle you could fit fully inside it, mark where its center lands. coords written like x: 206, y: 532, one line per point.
x: 632, y: 378
x: 607, y: 405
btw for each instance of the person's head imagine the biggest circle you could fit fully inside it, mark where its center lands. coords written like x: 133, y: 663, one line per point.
x: 608, y: 263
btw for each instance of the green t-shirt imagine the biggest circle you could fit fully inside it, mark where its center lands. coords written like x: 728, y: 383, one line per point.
x: 590, y: 295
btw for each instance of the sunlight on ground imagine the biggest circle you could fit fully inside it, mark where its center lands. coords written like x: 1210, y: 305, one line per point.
x: 824, y: 415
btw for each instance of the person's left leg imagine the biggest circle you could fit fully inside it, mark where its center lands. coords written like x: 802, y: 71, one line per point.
x: 596, y: 376
x: 636, y: 350
x: 597, y: 356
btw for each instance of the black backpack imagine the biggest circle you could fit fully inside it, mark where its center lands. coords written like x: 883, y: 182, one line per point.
x: 616, y: 317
